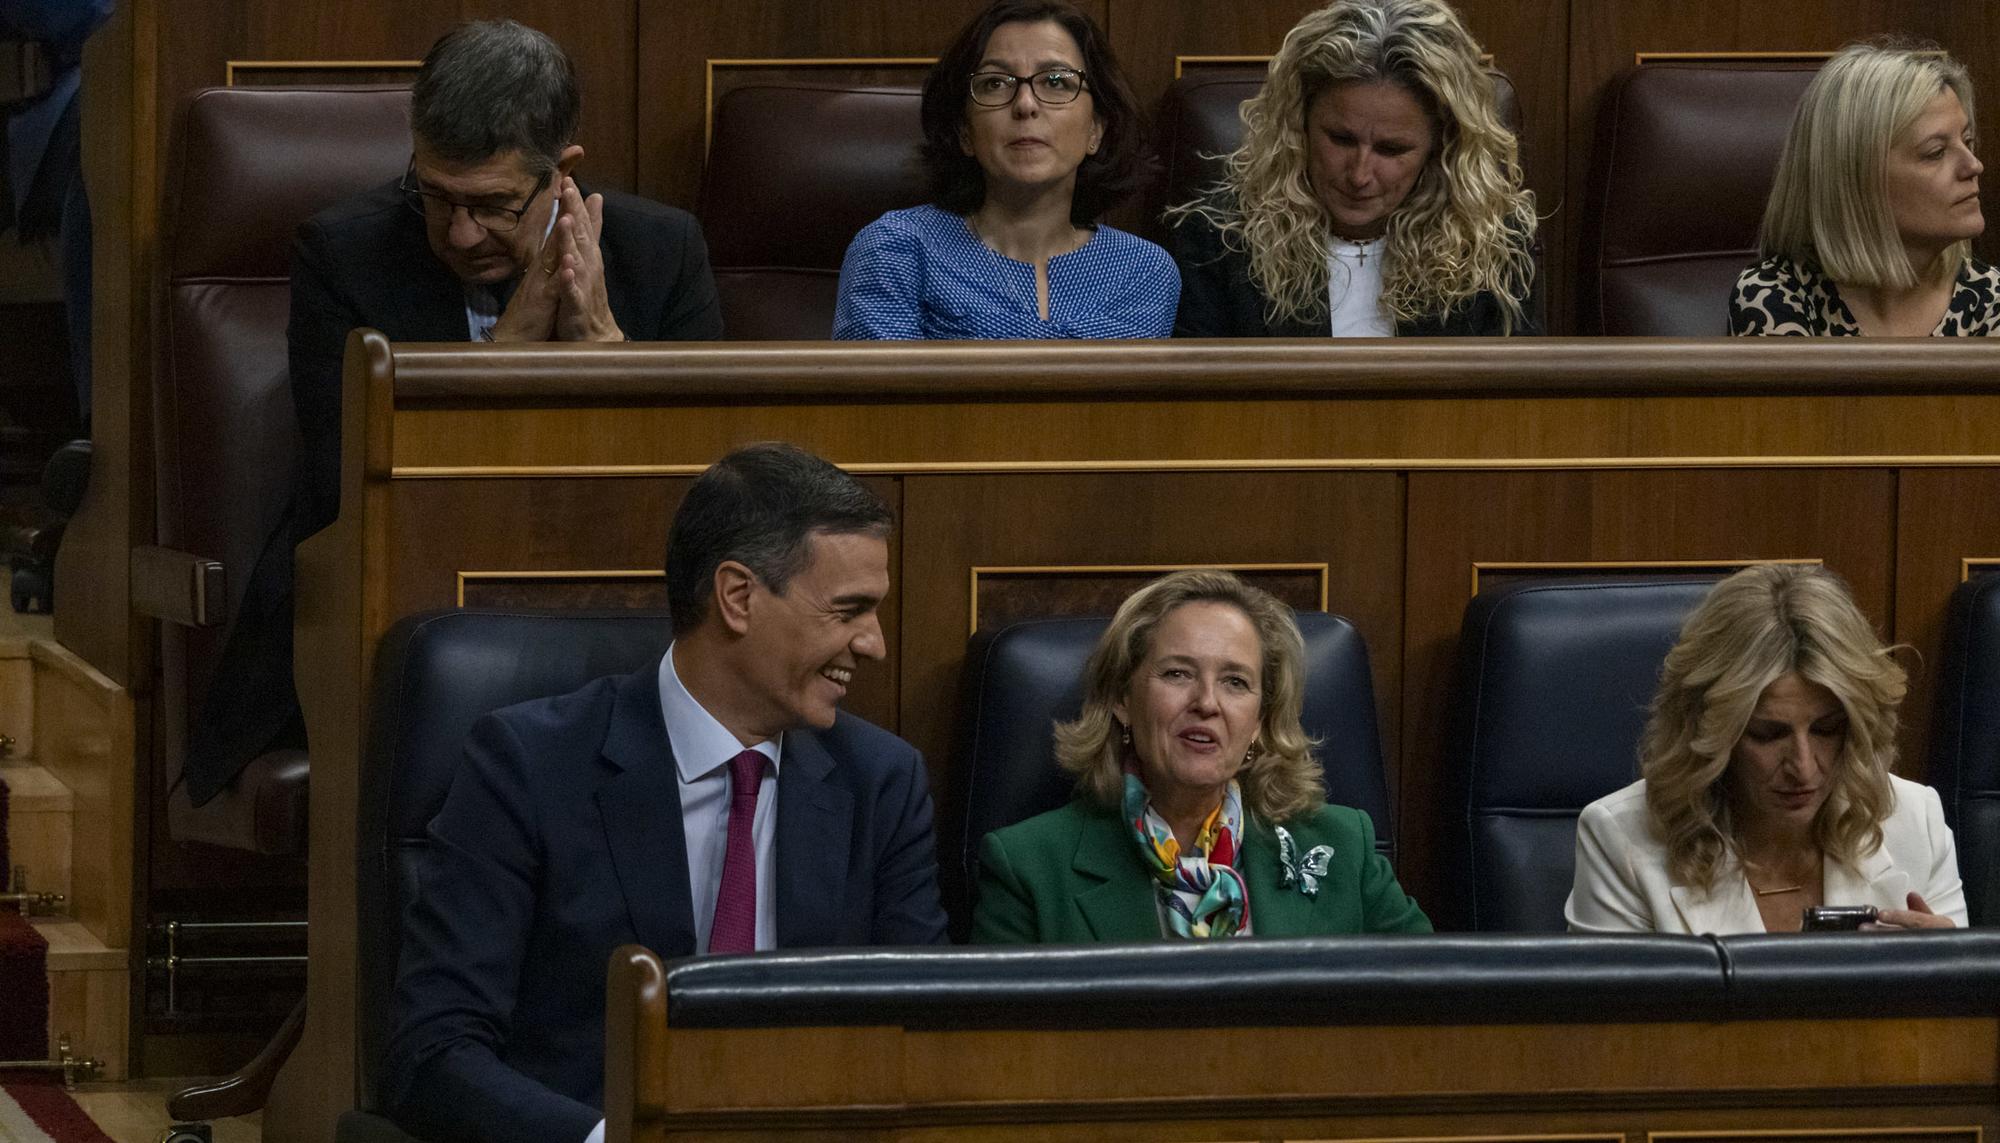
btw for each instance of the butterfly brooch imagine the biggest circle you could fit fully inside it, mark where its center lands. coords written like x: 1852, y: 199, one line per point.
x: 1302, y: 872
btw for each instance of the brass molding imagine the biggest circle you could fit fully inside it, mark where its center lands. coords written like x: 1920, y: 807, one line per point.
x: 1543, y: 1138
x: 1181, y: 61
x: 1641, y: 59
x: 1939, y: 1132
x: 231, y: 67
x: 1322, y: 569
x: 1968, y: 564
x: 1299, y: 464
x: 708, y: 78
x: 1585, y: 567
x: 465, y: 577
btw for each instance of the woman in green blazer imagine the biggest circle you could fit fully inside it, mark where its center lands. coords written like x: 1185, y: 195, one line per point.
x: 1200, y: 811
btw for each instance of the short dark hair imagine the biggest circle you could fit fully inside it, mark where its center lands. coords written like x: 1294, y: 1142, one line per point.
x: 758, y: 506
x: 492, y: 86
x: 957, y: 182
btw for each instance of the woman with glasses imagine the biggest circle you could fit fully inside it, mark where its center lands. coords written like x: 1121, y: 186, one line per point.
x: 1030, y: 134
x: 1377, y: 192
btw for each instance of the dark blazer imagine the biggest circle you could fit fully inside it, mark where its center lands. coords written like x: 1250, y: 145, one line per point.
x: 1219, y: 300
x: 1074, y: 875
x: 561, y: 840
x: 365, y: 262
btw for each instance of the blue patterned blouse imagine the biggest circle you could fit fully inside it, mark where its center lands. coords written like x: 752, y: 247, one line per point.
x: 922, y: 273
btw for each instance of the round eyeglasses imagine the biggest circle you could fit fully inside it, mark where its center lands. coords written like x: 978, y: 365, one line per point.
x: 494, y: 219
x: 1056, y: 86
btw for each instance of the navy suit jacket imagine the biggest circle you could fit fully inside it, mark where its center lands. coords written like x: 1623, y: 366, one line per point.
x: 561, y: 840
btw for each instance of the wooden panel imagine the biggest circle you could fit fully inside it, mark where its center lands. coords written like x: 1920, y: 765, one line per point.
x: 84, y: 726
x: 954, y: 524
x: 1525, y: 39
x: 1456, y: 520
x: 574, y: 590
x: 1943, y: 519
x: 1604, y: 39
x: 92, y: 1007
x: 676, y: 43
x: 1001, y: 596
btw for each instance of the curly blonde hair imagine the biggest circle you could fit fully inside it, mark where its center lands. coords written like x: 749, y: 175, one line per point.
x: 1283, y: 781
x: 1829, y: 202
x: 1468, y: 224
x: 1757, y: 626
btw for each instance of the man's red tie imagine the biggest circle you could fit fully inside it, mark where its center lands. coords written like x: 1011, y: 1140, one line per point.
x: 735, y: 926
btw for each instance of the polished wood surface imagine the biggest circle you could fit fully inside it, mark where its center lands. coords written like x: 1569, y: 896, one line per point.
x: 1789, y: 1078
x: 1402, y: 470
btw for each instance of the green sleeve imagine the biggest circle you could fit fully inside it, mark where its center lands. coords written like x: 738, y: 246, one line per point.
x: 1385, y: 908
x: 1005, y: 913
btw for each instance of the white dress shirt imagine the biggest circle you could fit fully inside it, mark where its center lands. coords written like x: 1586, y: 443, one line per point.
x: 1354, y: 289
x: 702, y: 750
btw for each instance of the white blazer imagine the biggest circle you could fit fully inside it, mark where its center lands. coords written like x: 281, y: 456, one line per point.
x: 1621, y: 881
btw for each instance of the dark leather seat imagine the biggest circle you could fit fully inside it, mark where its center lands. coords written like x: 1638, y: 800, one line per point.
x: 794, y: 172
x: 1554, y: 681
x: 1965, y: 740
x: 248, y: 166
x: 1022, y: 679
x: 1199, y: 123
x: 1685, y: 158
x: 435, y: 674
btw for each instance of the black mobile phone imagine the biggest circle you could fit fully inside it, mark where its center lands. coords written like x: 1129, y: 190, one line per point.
x: 1837, y: 918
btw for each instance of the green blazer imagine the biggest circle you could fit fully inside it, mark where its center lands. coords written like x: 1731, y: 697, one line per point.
x: 1074, y: 875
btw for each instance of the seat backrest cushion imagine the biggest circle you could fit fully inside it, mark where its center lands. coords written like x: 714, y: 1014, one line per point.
x: 1023, y: 679
x: 1685, y: 159
x: 436, y: 673
x: 795, y: 170
x: 247, y: 166
x: 1554, y: 682
x: 1965, y: 740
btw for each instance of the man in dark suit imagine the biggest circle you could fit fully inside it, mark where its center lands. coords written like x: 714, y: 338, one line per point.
x: 487, y: 236
x: 718, y: 802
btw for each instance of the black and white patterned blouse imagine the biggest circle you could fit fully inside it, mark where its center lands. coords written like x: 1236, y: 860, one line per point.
x: 1780, y: 297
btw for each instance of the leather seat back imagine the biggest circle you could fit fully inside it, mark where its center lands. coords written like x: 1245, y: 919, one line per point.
x: 794, y: 172
x: 247, y: 166
x: 1965, y: 740
x: 435, y: 674
x: 1024, y: 678
x: 1554, y: 682
x: 1686, y: 155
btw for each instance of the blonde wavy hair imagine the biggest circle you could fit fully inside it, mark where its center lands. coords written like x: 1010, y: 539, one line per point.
x: 1829, y: 203
x: 1757, y: 626
x: 1467, y: 226
x: 1283, y: 781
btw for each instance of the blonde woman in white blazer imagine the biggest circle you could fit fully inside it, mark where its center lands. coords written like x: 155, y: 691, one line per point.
x: 1765, y: 782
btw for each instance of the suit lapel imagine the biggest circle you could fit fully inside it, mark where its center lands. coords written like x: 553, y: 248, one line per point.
x: 815, y: 830
x: 1115, y: 896
x: 1275, y: 910
x: 1728, y: 908
x: 641, y: 810
x: 1872, y: 880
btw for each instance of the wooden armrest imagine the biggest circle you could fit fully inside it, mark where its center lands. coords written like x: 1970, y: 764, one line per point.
x: 178, y: 587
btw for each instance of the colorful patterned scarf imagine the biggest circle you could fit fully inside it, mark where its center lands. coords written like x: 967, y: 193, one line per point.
x: 1201, y: 894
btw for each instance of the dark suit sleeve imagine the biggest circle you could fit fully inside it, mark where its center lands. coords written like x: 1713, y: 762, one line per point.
x: 1005, y: 914
x: 1208, y: 281
x: 694, y: 309
x: 1385, y: 908
x: 464, y: 938
x: 321, y: 317
x: 907, y: 905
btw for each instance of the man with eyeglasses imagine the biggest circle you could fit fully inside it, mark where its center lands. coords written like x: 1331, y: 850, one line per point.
x: 485, y: 237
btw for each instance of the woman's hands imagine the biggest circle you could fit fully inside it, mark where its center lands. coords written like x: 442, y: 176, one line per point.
x: 1917, y: 916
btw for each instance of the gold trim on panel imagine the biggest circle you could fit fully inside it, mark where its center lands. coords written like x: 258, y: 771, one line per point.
x: 708, y: 78
x: 1588, y: 566
x: 1966, y: 565
x: 1324, y: 570
x: 231, y: 67
x: 1300, y: 464
x: 1819, y: 1132
x: 1179, y: 61
x: 556, y: 573
x: 1545, y: 1138
x: 1641, y: 59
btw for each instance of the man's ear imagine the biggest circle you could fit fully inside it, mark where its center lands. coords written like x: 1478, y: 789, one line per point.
x: 735, y: 587
x: 567, y: 161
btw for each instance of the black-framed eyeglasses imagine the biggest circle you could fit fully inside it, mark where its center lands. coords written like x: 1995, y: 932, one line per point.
x: 494, y: 219
x: 1056, y: 86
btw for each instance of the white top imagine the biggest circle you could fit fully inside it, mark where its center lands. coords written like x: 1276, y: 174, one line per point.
x: 1354, y: 289
x: 1622, y: 886
x: 702, y: 750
